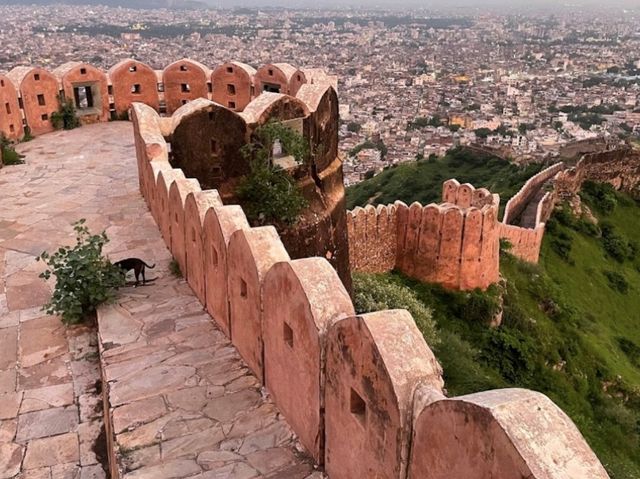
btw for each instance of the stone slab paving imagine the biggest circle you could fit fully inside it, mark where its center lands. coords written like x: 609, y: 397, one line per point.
x: 183, y: 403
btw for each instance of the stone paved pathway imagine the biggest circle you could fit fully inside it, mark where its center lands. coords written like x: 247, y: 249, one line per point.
x: 183, y: 403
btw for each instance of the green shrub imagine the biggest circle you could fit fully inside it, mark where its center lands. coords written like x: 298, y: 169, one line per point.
x: 268, y: 194
x: 562, y: 244
x: 376, y: 293
x: 85, y: 279
x: 601, y: 196
x: 9, y: 155
x: 616, y: 245
x: 617, y: 281
x: 65, y: 117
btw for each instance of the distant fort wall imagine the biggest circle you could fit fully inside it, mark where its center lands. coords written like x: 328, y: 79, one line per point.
x: 364, y: 393
x: 454, y: 243
x: 29, y: 94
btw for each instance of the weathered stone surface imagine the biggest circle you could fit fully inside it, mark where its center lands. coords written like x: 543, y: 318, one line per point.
x: 47, y: 397
x: 168, y: 470
x: 48, y: 422
x: 40, y: 340
x: 52, y: 451
x: 9, y: 404
x: 139, y: 412
x: 10, y: 459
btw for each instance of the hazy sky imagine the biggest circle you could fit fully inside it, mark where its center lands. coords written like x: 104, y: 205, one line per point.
x: 428, y: 3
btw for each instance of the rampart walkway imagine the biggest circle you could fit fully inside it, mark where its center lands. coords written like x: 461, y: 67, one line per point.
x: 183, y: 403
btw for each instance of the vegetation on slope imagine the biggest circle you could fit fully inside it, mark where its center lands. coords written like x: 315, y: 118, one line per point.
x: 570, y: 326
x: 422, y: 180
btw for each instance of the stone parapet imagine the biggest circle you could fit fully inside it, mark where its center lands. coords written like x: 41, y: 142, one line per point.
x: 357, y: 390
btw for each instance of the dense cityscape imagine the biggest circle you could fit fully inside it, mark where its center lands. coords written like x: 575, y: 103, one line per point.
x: 410, y: 86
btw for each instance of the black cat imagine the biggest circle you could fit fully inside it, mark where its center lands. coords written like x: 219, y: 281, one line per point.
x: 137, y: 265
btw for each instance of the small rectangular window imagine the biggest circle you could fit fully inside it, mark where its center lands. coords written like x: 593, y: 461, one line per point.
x: 214, y: 146
x: 160, y: 87
x: 229, y: 69
x: 8, y: 107
x: 210, y: 87
x: 110, y: 89
x: 12, y: 129
x: 36, y: 77
x: 20, y: 103
x: 214, y: 257
x: 1, y: 82
x: 243, y: 288
x: 183, y: 68
x: 232, y: 105
x: 270, y: 72
x: 358, y: 407
x: 83, y: 71
x: 45, y: 117
x: 185, y: 88
x: 133, y: 68
x: 136, y: 88
x: 184, y: 102
x: 210, y: 116
x: 41, y: 100
x: 287, y: 334
x: 231, y: 89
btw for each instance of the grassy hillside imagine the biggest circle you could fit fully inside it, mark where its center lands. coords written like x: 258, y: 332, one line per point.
x: 571, y: 327
x: 422, y: 180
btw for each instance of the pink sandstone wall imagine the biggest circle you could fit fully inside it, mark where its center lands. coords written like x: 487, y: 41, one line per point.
x: 219, y: 226
x: 178, y: 192
x: 525, y: 242
x: 374, y: 364
x: 518, y: 202
x: 196, y: 207
x: 499, y: 434
x: 372, y: 385
x: 372, y: 238
x: 297, y: 317
x: 454, y: 244
x: 10, y: 115
x: 251, y: 253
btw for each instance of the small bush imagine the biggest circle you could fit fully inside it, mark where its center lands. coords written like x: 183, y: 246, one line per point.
x: 601, y: 196
x: 9, y: 155
x: 65, y: 117
x: 85, y: 279
x: 616, y: 245
x: 617, y: 281
x: 562, y: 244
x: 268, y: 194
x: 376, y: 293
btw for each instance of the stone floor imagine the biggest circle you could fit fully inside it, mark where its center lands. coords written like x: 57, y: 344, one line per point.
x: 183, y: 403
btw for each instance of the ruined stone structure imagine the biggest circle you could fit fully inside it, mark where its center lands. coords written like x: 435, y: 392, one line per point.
x: 363, y: 393
x: 454, y: 244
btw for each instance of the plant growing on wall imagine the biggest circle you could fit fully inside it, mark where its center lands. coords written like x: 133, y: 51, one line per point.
x: 65, y: 117
x: 268, y: 194
x: 85, y: 278
x: 9, y: 155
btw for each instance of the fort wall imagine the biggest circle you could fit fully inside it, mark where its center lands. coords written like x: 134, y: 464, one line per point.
x: 455, y: 243
x: 516, y: 205
x: 31, y: 93
x: 367, y: 388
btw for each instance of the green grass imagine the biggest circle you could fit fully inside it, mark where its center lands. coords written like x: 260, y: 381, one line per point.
x: 422, y: 180
x: 567, y: 330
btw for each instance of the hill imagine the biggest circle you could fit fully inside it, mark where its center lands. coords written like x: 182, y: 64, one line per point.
x: 422, y: 180
x: 569, y: 325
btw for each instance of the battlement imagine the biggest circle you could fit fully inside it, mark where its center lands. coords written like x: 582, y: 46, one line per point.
x: 363, y: 393
x: 30, y: 94
x: 454, y: 243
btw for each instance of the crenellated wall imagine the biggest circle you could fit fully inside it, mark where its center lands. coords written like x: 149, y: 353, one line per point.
x: 517, y: 204
x: 364, y: 393
x: 454, y: 244
x: 29, y: 95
